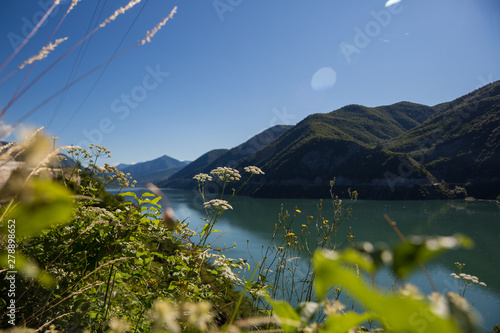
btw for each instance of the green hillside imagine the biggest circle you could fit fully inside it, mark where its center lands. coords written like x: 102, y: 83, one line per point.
x: 382, y: 151
x: 399, y: 151
x: 461, y: 142
x: 184, y: 177
x: 231, y: 158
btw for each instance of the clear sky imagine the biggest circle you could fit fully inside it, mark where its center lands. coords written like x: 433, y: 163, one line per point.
x: 222, y: 71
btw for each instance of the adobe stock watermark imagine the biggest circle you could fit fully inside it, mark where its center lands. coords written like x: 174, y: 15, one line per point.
x: 223, y: 6
x: 454, y: 118
x: 29, y: 23
x: 124, y: 104
x: 280, y: 117
x: 363, y: 36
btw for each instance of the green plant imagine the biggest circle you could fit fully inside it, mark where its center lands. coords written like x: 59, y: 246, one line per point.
x: 286, y: 270
x: 109, y: 262
x: 402, y: 311
x: 216, y: 207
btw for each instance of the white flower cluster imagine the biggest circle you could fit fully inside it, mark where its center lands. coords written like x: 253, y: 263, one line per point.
x: 203, y: 177
x: 199, y: 315
x: 254, y: 170
x: 226, y: 266
x: 333, y: 307
x: 218, y: 204
x: 468, y: 277
x: 226, y: 174
x: 410, y: 290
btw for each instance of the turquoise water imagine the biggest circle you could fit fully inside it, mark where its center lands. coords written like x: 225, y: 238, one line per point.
x: 250, y: 225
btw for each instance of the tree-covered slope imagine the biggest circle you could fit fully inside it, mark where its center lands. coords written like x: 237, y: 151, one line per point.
x: 398, y: 151
x: 185, y: 175
x: 461, y: 142
x: 231, y: 158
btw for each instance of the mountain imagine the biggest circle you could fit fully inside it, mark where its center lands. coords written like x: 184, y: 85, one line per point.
x: 346, y: 144
x: 399, y: 151
x: 223, y: 157
x: 122, y: 166
x: 460, y: 142
x: 155, y: 170
x: 185, y: 175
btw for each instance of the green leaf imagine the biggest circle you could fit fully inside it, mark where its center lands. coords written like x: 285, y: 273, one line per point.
x: 288, y: 318
x: 44, y: 204
x: 129, y: 194
x: 27, y: 268
x: 417, y: 250
x: 141, y: 253
x: 396, y: 312
x: 341, y: 323
x: 205, y: 229
x: 153, y: 201
x: 355, y: 257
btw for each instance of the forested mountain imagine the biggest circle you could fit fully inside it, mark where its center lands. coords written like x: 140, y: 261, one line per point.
x: 217, y: 158
x: 184, y: 176
x: 398, y: 151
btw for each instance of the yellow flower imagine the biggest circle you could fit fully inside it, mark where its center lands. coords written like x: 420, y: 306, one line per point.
x: 298, y: 211
x: 304, y: 226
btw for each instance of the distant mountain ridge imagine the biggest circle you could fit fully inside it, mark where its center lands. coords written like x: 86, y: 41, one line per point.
x: 223, y: 157
x: 155, y: 170
x: 399, y: 151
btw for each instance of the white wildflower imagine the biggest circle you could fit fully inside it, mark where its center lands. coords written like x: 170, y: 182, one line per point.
x: 459, y: 301
x: 199, y: 315
x: 202, y: 177
x: 118, y: 325
x: 44, y: 52
x: 333, y: 307
x: 166, y: 314
x: 412, y: 291
x: 226, y: 174
x: 254, y: 170
x: 218, y: 204
x: 438, y: 304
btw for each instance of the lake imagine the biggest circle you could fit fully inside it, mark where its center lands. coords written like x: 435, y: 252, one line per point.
x: 250, y: 225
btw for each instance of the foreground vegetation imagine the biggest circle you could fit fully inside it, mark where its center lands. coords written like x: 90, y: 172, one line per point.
x: 87, y: 260
x: 75, y: 258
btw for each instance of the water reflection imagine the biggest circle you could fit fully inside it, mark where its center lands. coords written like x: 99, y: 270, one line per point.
x: 251, y: 224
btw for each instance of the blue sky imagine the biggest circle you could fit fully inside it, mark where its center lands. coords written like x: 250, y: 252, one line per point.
x: 222, y: 71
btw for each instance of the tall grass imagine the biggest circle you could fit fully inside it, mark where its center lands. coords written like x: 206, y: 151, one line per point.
x: 49, y: 47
